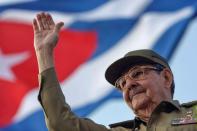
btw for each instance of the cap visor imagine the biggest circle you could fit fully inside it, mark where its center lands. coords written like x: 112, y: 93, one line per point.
x: 116, y: 69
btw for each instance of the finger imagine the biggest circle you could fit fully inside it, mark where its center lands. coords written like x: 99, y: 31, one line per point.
x: 35, y: 26
x: 50, y: 20
x: 41, y: 27
x: 44, y: 21
x: 58, y: 26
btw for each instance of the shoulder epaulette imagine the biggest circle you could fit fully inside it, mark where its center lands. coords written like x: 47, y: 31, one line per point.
x: 189, y: 104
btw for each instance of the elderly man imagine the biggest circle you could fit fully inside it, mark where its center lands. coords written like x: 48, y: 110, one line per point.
x: 143, y: 76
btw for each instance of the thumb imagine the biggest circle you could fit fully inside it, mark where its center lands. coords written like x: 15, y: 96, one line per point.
x: 58, y: 26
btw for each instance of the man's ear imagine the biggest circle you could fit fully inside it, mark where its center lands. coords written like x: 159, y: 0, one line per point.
x: 168, y: 77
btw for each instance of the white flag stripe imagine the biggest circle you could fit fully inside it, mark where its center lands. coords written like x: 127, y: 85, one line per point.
x: 116, y: 9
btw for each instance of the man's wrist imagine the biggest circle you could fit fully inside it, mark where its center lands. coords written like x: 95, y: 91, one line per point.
x: 45, y: 60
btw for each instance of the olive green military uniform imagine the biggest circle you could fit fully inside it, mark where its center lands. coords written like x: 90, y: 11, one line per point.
x: 168, y: 116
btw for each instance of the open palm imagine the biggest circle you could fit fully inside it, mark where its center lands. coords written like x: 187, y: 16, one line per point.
x: 46, y: 32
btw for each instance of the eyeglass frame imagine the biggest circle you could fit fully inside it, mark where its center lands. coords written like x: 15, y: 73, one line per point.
x: 156, y: 67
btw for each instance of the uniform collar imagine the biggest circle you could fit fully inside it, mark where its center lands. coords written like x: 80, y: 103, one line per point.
x: 130, y: 124
x: 176, y: 104
x: 166, y: 106
x: 126, y: 124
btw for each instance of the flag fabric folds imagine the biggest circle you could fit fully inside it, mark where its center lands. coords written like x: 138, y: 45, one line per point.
x: 96, y: 32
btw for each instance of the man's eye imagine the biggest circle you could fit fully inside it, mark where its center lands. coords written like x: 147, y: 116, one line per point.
x: 137, y: 74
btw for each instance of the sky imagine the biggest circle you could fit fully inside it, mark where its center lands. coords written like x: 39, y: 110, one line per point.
x: 183, y: 65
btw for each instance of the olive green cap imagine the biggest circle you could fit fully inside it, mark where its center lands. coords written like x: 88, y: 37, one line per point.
x: 132, y: 58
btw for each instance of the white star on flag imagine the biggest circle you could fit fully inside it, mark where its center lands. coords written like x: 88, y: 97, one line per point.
x: 7, y: 61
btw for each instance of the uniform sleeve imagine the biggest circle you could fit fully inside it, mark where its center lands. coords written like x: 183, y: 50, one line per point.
x: 58, y: 114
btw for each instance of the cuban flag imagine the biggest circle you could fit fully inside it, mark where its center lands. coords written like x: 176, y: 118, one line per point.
x: 96, y: 33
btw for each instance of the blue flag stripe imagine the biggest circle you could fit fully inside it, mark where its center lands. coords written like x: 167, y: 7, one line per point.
x: 60, y: 6
x: 169, y: 6
x: 168, y: 42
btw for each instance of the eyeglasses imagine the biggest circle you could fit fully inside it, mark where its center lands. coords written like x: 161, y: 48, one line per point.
x: 136, y: 74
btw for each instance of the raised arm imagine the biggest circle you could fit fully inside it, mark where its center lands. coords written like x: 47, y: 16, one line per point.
x: 58, y: 114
